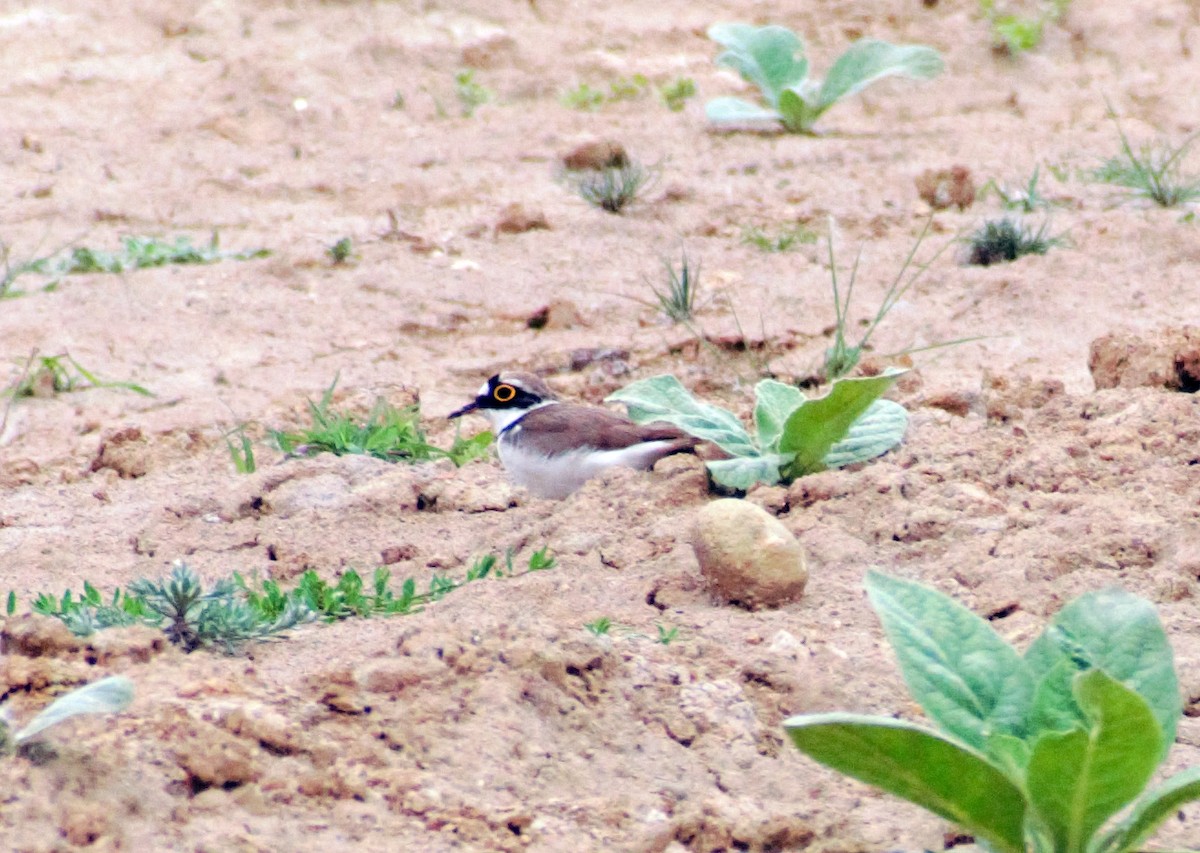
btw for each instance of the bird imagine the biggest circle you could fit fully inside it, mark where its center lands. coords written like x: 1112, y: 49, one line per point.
x: 552, y: 447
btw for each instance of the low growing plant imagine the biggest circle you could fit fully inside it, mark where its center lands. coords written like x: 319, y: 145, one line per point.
x: 388, y: 433
x: 676, y: 93
x: 586, y: 97
x: 471, y: 94
x: 783, y: 239
x: 135, y: 253
x: 1015, y: 33
x: 1154, y: 172
x: 43, y: 375
x: 1030, y: 753
x: 107, y: 696
x: 1026, y: 199
x: 677, y: 300
x: 841, y: 358
x: 1004, y: 240
x: 237, y: 610
x: 794, y: 435
x: 612, y: 188
x: 772, y: 58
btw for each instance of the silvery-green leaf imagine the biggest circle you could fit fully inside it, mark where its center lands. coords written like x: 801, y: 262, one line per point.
x: 770, y: 57
x: 737, y: 111
x: 797, y: 111
x: 106, y: 696
x: 870, y: 60
x: 1108, y: 629
x: 774, y: 403
x: 743, y: 472
x: 663, y: 398
x: 880, y: 428
x: 812, y: 430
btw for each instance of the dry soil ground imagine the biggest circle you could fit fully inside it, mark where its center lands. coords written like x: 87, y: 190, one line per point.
x: 493, y: 720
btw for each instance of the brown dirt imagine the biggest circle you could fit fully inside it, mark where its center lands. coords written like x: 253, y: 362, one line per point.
x: 493, y: 720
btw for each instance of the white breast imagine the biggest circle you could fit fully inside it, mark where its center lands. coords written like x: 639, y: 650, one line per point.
x: 559, y: 475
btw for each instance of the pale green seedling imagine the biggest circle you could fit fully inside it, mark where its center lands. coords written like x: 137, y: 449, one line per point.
x: 1035, y: 752
x: 772, y: 58
x: 794, y: 435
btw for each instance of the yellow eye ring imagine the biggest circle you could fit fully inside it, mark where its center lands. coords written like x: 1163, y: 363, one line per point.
x: 504, y: 393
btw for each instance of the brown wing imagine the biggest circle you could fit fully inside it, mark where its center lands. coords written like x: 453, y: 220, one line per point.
x: 598, y: 428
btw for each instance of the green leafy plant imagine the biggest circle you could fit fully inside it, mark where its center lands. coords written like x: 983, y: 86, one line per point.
x: 613, y: 188
x: 341, y: 251
x: 666, y: 635
x: 388, y: 433
x: 1154, y: 172
x: 470, y: 93
x: 1004, y: 240
x: 795, y: 435
x: 590, y: 98
x: 236, y: 610
x: 599, y: 627
x: 784, y: 239
x: 44, y: 375
x: 107, y: 696
x: 772, y: 58
x: 1015, y: 33
x: 678, y: 299
x: 135, y: 253
x: 676, y: 93
x: 1034, y: 752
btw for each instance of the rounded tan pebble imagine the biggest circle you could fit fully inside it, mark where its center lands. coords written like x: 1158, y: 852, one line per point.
x: 747, y: 557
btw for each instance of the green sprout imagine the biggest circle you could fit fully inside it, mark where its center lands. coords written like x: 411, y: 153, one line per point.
x: 1046, y: 751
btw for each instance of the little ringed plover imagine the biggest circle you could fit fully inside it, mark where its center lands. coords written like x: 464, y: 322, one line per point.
x: 552, y: 448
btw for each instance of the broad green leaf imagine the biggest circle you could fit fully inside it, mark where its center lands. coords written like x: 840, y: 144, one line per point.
x: 969, y: 681
x: 815, y: 427
x: 1078, y: 779
x: 774, y: 402
x: 1155, y: 806
x: 106, y: 696
x: 663, y: 398
x: 742, y: 472
x: 737, y: 111
x: 1118, y: 632
x: 877, y: 431
x: 797, y: 111
x: 922, y: 767
x: 770, y: 57
x: 870, y: 60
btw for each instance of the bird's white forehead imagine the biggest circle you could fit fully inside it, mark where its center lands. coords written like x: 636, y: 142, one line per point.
x: 483, y: 389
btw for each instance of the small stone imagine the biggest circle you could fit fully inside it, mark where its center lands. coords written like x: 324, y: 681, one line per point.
x: 943, y: 188
x: 596, y: 154
x: 746, y: 556
x: 515, y: 219
x: 1166, y: 358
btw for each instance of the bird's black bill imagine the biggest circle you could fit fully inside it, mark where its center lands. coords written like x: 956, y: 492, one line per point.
x: 470, y: 407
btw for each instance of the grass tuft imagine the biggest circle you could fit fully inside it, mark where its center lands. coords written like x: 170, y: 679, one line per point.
x: 471, y: 94
x: 46, y: 375
x: 678, y: 300
x: 613, y: 188
x: 1003, y: 240
x: 1153, y: 172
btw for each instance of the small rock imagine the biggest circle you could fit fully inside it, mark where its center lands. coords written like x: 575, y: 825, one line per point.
x: 515, y: 219
x: 943, y: 188
x: 596, y: 154
x: 746, y: 556
x: 124, y: 451
x: 559, y: 314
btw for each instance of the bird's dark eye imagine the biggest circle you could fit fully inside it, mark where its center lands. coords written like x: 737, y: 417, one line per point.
x: 503, y: 393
